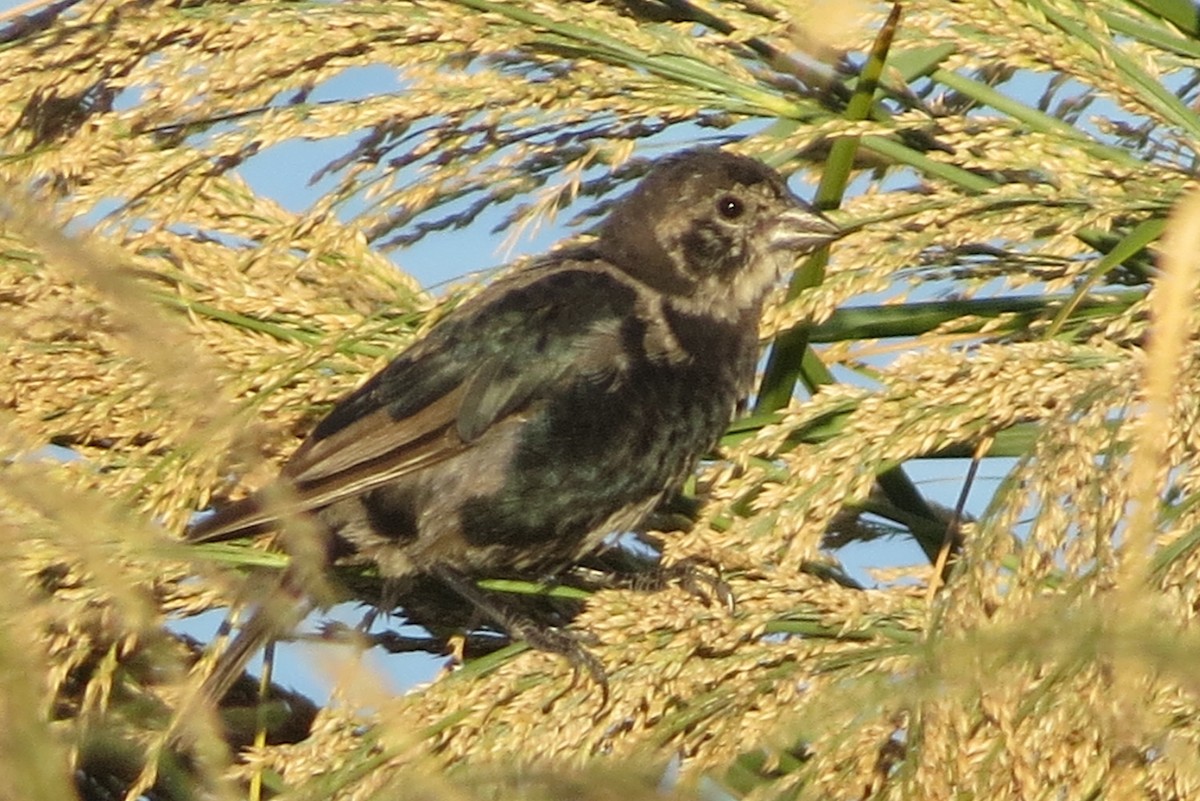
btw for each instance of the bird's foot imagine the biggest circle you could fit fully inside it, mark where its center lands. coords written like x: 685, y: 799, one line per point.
x: 696, y: 577
x: 568, y: 645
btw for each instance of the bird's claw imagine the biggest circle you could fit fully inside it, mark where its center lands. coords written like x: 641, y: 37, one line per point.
x: 697, y: 578
x: 570, y: 646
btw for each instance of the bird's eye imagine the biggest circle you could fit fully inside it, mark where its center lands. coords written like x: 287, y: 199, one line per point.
x: 730, y: 207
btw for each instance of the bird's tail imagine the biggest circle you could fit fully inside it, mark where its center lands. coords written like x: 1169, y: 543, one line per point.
x: 283, y: 609
x: 284, y: 606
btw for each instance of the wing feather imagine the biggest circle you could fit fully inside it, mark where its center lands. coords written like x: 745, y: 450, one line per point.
x: 436, y: 400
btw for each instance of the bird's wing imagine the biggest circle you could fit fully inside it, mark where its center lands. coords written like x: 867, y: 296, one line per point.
x: 490, y: 359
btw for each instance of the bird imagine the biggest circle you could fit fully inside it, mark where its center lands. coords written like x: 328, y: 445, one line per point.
x: 556, y: 407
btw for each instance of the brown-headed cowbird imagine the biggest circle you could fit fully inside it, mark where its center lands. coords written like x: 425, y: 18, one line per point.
x: 557, y: 406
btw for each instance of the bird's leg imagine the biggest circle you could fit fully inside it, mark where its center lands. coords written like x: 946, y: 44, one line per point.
x: 368, y: 622
x: 552, y: 640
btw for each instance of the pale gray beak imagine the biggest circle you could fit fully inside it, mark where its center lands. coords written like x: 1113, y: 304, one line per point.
x: 803, y: 229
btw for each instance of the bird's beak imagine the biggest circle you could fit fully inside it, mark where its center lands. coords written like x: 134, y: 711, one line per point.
x: 802, y: 229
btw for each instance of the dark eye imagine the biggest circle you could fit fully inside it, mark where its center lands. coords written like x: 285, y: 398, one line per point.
x: 730, y: 207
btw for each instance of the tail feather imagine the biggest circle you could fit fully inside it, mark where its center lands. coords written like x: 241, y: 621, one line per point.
x: 244, y: 518
x: 279, y: 612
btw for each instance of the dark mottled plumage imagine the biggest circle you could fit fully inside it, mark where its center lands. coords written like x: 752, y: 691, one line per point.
x: 561, y: 403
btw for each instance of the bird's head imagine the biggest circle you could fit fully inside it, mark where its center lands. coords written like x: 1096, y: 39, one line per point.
x: 713, y: 230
